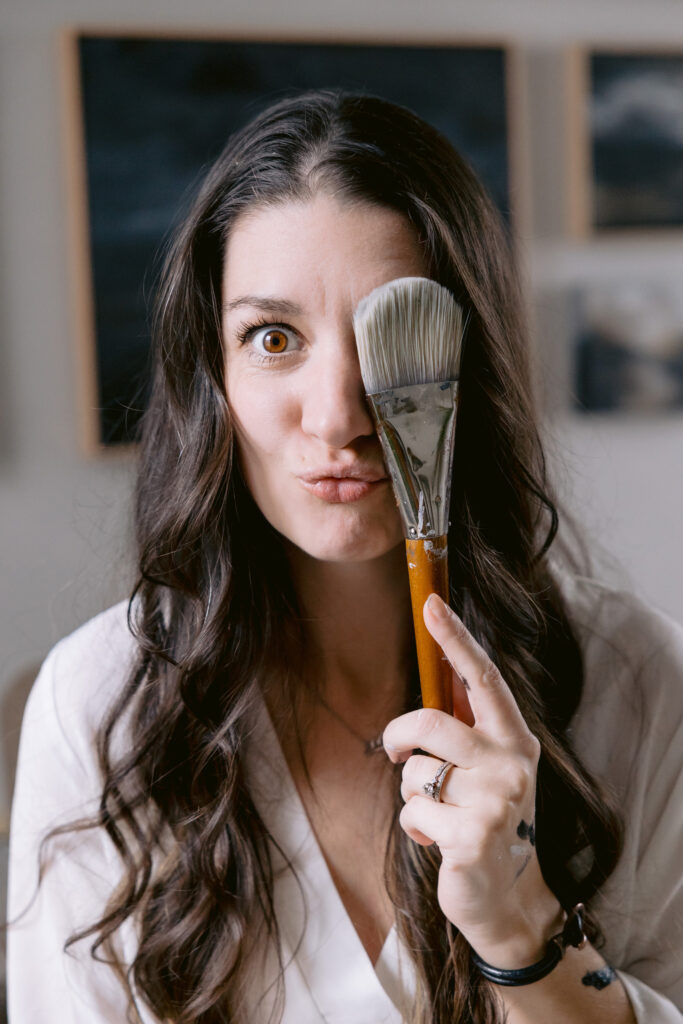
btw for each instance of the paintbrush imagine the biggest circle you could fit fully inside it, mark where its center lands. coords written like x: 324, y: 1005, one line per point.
x: 408, y: 334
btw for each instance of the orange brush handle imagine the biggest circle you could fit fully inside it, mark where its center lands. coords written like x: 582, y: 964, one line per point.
x: 428, y: 573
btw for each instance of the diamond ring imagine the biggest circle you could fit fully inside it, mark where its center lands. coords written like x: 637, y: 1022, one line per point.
x: 434, y: 786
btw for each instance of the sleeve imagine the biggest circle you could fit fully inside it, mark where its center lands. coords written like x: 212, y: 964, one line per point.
x: 57, y: 782
x: 648, y: 1006
x: 653, y: 960
x: 630, y: 730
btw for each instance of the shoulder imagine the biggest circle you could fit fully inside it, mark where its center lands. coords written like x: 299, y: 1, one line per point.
x: 62, y: 872
x: 622, y: 634
x: 603, y: 615
x: 633, y: 677
x: 80, y: 678
x: 628, y: 732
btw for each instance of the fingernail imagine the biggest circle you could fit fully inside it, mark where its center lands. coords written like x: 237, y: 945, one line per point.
x: 436, y: 607
x: 395, y: 754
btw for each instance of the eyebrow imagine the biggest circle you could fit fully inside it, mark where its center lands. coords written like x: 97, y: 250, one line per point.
x: 266, y: 303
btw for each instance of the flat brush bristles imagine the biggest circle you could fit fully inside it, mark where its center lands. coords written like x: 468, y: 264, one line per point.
x: 408, y: 331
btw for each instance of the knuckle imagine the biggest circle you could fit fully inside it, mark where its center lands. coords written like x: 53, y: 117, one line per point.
x: 423, y: 767
x: 430, y: 720
x: 407, y: 814
x: 408, y: 773
x: 533, y: 748
x: 517, y: 780
x: 412, y: 776
x: 460, y: 631
x: 408, y: 778
x: 491, y: 677
x: 498, y: 815
x: 410, y: 806
x: 470, y: 746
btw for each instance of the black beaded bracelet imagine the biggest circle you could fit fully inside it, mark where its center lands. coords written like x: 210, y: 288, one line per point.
x: 571, y: 935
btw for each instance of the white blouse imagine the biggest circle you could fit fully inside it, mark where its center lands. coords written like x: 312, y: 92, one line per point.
x: 628, y: 731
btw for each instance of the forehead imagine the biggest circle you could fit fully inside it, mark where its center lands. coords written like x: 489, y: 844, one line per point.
x: 323, y: 243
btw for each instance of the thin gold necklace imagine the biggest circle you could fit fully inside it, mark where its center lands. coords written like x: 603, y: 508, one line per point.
x: 370, y: 746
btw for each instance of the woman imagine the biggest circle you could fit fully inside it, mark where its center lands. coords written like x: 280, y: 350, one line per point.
x: 245, y: 851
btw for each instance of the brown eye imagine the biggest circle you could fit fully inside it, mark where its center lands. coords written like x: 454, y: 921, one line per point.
x: 275, y: 341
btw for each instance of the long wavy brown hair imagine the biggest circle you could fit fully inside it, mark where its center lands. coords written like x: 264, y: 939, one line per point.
x: 215, y: 599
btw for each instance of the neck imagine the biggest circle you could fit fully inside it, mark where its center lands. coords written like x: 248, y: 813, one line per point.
x: 360, y: 623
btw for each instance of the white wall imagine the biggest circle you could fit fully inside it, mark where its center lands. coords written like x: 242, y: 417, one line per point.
x: 63, y: 517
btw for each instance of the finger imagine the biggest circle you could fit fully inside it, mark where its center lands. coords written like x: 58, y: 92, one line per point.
x: 416, y: 835
x: 438, y: 734
x: 420, y: 770
x: 507, y: 782
x: 464, y: 835
x: 494, y: 707
x: 439, y: 823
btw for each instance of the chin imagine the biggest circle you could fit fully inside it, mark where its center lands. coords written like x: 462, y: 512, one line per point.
x: 361, y: 547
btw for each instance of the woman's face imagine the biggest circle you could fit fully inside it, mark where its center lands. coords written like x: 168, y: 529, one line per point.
x: 293, y: 275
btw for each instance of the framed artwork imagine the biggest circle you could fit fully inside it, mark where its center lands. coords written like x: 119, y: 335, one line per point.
x: 626, y: 141
x: 146, y: 114
x: 627, y: 344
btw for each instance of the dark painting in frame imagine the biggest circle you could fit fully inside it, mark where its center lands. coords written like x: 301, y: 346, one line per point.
x: 628, y: 346
x: 628, y: 144
x: 152, y: 112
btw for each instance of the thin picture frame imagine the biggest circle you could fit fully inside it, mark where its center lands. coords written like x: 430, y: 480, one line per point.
x: 624, y: 141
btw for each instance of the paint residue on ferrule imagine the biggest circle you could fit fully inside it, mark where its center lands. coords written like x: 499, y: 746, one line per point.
x: 421, y: 515
x: 416, y: 428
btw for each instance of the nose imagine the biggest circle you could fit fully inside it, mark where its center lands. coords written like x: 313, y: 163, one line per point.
x: 334, y: 408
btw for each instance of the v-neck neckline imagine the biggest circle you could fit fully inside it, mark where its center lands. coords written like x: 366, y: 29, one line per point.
x: 311, y: 914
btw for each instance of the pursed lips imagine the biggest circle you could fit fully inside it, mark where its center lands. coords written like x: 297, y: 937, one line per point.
x: 339, y: 485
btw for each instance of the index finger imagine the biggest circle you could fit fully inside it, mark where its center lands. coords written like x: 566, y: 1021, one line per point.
x: 436, y: 732
x: 494, y: 707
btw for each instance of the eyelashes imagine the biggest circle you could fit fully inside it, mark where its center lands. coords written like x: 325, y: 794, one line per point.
x: 269, y: 341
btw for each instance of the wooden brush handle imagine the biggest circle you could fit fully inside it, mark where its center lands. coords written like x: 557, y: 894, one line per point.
x: 428, y: 573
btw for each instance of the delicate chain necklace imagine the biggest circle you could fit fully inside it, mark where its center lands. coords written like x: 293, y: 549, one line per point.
x: 369, y: 746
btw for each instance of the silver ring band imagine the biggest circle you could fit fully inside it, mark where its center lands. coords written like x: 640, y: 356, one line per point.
x: 434, y: 787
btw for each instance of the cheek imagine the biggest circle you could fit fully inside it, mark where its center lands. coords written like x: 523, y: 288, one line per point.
x: 263, y: 419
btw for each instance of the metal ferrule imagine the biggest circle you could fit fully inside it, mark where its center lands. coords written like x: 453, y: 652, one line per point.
x: 416, y: 427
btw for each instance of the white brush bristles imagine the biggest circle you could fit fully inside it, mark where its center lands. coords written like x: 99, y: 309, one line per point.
x: 408, y: 331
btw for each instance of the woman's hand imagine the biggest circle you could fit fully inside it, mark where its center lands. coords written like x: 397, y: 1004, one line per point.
x: 490, y: 883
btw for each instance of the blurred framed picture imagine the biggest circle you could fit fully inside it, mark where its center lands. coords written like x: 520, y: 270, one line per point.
x: 628, y: 347
x: 146, y: 114
x: 626, y: 140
